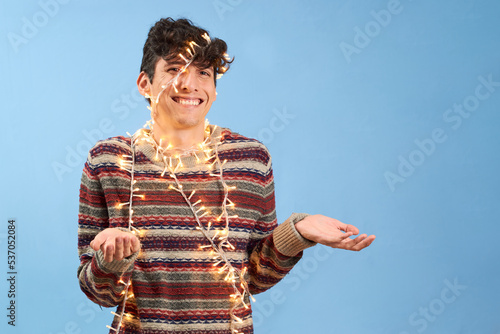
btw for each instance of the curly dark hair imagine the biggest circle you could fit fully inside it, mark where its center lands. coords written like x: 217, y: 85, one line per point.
x: 169, y: 37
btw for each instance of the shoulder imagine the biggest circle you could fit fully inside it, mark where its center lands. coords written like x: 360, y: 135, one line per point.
x: 112, y: 145
x: 110, y: 149
x: 239, y: 147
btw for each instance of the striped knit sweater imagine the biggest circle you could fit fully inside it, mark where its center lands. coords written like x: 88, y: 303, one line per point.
x: 176, y: 285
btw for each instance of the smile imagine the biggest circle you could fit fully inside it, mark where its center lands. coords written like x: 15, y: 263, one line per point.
x: 184, y: 101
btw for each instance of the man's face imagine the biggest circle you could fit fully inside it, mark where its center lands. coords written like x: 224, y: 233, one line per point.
x: 185, y: 105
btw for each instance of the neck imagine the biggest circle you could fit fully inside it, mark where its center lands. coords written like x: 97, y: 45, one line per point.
x: 178, y: 139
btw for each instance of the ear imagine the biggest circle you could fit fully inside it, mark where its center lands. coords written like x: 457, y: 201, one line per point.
x: 143, y: 84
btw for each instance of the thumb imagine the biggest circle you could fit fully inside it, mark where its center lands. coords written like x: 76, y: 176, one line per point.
x: 350, y: 228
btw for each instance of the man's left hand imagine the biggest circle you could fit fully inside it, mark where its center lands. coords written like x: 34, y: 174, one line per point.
x: 331, y: 232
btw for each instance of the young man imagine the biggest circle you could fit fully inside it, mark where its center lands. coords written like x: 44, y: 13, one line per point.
x: 177, y: 224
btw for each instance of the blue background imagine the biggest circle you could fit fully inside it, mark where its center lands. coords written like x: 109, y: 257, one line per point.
x: 346, y: 95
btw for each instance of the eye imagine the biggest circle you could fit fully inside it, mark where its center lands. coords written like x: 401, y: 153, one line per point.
x: 205, y: 73
x: 174, y: 69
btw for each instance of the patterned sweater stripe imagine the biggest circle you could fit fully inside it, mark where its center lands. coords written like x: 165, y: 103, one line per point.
x: 176, y: 285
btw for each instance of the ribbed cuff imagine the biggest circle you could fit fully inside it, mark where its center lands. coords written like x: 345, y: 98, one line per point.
x: 287, y: 240
x: 115, y: 266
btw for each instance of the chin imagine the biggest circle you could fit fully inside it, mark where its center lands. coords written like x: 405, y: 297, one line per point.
x: 189, y: 123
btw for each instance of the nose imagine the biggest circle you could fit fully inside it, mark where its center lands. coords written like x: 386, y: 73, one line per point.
x: 187, y: 80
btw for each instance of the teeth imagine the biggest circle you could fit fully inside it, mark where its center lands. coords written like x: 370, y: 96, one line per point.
x: 188, y: 102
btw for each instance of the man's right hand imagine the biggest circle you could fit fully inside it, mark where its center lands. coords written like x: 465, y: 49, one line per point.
x: 115, y: 244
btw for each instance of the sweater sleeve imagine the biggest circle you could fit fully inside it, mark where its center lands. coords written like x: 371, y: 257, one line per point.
x: 99, y: 280
x: 274, y: 250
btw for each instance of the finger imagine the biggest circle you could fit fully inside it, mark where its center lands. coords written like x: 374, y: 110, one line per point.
x: 127, y: 247
x: 120, y: 246
x: 350, y: 243
x: 355, y: 240
x: 359, y: 238
x: 345, y: 236
x: 97, y: 242
x: 131, y: 245
x: 135, y: 245
x: 364, y: 243
x: 108, y: 249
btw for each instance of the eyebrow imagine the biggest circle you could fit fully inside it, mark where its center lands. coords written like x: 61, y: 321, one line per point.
x: 174, y: 62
